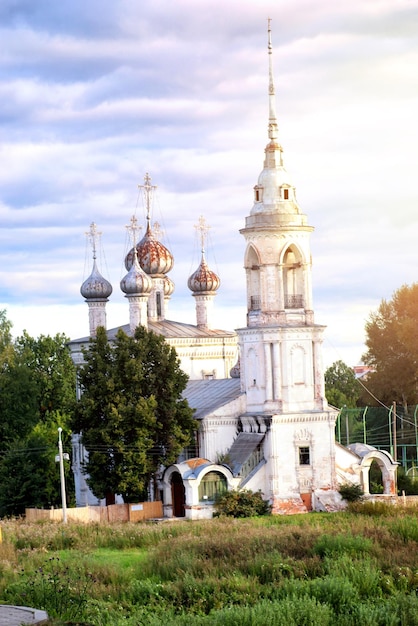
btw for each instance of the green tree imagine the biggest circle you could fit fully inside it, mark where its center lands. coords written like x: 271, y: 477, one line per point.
x: 131, y: 413
x: 49, y: 361
x: 37, y: 393
x: 341, y: 386
x: 6, y: 343
x: 29, y: 474
x: 392, y: 349
x: 36, y: 383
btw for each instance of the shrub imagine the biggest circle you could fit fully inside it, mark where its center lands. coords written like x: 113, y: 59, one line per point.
x: 350, y: 492
x: 243, y: 503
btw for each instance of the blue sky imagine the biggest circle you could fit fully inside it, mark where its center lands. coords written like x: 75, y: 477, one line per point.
x: 95, y: 94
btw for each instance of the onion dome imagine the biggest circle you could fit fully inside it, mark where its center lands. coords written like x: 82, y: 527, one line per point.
x: 95, y: 287
x: 154, y: 258
x: 168, y: 286
x: 203, y: 280
x: 136, y: 282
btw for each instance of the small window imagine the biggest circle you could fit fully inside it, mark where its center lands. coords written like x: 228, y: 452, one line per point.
x: 212, y: 485
x: 158, y: 302
x: 304, y: 456
x: 286, y: 194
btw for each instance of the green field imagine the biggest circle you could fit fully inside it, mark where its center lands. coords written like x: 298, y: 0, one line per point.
x: 346, y: 569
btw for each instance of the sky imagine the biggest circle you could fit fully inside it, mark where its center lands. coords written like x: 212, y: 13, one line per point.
x: 93, y: 95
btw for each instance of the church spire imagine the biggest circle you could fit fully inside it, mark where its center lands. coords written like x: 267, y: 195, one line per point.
x: 274, y: 192
x: 273, y: 127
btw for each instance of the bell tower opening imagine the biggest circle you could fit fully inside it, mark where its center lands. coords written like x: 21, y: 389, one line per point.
x: 293, y: 279
x: 252, y: 265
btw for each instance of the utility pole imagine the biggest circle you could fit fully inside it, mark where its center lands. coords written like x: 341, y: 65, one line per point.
x: 62, y: 476
x: 395, y: 455
x: 346, y: 425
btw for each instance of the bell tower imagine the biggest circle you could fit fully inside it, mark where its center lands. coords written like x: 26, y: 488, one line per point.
x: 280, y: 331
x: 281, y: 346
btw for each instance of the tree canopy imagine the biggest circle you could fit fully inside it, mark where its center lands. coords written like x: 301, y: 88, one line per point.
x: 37, y: 393
x: 341, y: 386
x: 131, y: 413
x: 392, y: 348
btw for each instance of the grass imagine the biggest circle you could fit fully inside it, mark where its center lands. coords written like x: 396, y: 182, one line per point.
x: 343, y: 569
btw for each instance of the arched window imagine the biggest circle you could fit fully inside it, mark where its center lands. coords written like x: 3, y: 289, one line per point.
x: 158, y: 301
x: 252, y: 265
x: 212, y: 485
x: 293, y: 279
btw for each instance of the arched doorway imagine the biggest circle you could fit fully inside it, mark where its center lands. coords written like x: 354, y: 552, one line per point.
x: 178, y: 495
x: 375, y: 478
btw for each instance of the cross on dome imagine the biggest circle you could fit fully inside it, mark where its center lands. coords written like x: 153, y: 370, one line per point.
x: 203, y: 228
x: 148, y: 190
x: 93, y: 235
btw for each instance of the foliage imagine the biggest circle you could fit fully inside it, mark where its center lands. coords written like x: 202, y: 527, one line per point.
x: 29, y: 474
x: 54, y: 588
x: 392, y: 348
x: 351, y: 492
x: 37, y: 383
x: 341, y: 386
x: 49, y: 360
x: 406, y: 484
x: 37, y: 392
x: 6, y: 344
x: 242, y: 503
x: 131, y: 413
x: 340, y: 569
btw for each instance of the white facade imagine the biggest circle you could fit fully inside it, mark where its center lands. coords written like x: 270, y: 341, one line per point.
x: 279, y: 433
x: 269, y: 427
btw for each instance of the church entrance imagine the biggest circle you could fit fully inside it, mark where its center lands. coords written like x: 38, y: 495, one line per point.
x: 178, y: 496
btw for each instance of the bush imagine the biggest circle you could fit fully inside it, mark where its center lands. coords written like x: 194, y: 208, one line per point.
x: 242, y: 504
x: 350, y: 492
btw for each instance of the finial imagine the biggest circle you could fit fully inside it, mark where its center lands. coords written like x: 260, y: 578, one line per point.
x: 203, y: 227
x: 93, y: 234
x: 133, y: 229
x: 273, y: 130
x: 157, y: 231
x: 148, y: 190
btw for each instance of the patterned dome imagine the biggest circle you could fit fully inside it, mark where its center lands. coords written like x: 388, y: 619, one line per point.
x: 203, y: 280
x: 136, y: 282
x: 168, y: 286
x: 154, y: 258
x: 95, y: 287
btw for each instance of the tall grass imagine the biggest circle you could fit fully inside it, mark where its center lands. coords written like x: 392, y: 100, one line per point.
x: 328, y: 569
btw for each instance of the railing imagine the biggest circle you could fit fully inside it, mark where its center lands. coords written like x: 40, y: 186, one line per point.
x: 252, y: 462
x: 294, y: 301
x: 255, y: 303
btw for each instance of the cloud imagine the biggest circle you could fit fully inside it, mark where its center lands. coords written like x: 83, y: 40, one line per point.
x: 93, y: 95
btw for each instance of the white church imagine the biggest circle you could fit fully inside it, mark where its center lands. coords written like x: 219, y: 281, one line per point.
x: 258, y: 392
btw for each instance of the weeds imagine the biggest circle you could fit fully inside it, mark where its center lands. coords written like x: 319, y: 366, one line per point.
x: 342, y: 569
x: 55, y: 588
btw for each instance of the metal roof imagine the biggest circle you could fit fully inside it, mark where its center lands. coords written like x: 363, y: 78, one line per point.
x: 169, y: 330
x: 205, y: 396
x: 242, y: 448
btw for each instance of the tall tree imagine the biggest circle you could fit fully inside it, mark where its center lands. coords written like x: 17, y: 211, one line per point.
x: 341, y: 386
x: 37, y: 392
x: 131, y: 412
x: 392, y: 348
x: 6, y: 343
x: 36, y: 382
